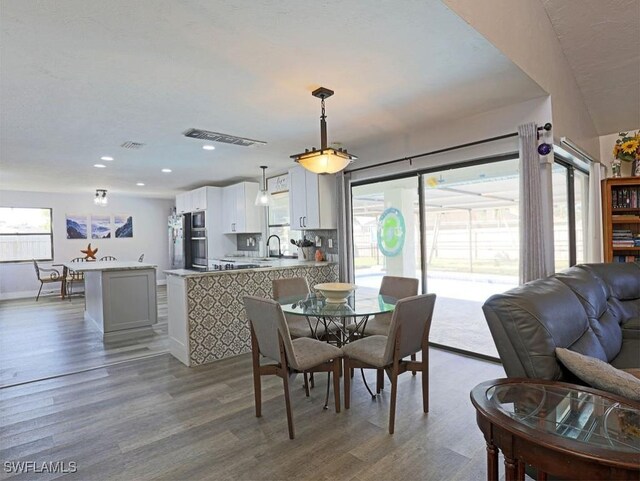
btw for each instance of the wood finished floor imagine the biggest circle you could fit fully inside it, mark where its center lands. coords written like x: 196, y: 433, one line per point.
x: 50, y: 338
x: 155, y: 419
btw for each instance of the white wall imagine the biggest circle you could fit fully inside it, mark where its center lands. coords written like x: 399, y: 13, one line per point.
x: 422, y: 139
x: 606, y: 154
x: 523, y: 32
x: 149, y: 234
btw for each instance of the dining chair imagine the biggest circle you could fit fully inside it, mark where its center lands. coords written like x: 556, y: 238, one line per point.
x: 299, y: 326
x: 284, y: 357
x: 408, y: 334
x: 392, y: 286
x: 74, y: 276
x: 108, y: 258
x: 46, y: 276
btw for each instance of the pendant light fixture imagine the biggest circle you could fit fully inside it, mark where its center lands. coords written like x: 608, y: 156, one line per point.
x: 327, y: 160
x: 263, y: 198
x: 100, y: 198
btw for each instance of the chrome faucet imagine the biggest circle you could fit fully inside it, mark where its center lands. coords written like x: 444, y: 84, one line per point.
x: 279, y: 246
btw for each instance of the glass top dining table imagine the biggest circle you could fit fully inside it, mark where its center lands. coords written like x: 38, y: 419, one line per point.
x: 355, y: 311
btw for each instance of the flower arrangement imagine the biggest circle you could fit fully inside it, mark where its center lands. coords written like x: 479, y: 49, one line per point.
x: 627, y: 147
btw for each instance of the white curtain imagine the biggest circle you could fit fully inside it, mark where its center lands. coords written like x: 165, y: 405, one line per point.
x: 533, y: 259
x: 594, y: 251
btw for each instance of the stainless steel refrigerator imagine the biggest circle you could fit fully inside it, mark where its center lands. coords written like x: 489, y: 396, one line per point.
x: 176, y: 241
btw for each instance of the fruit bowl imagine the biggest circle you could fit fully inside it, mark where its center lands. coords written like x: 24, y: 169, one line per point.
x: 335, y: 292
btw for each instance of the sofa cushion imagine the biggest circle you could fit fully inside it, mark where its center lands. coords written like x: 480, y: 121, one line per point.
x: 622, y: 281
x: 530, y: 321
x: 600, y: 375
x: 629, y: 355
x: 593, y: 295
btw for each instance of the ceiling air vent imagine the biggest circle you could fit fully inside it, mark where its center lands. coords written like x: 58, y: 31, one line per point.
x: 224, y: 138
x: 132, y: 145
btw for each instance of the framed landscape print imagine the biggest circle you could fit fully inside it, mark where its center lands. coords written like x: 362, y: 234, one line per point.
x: 100, y: 226
x: 76, y: 226
x: 123, y: 226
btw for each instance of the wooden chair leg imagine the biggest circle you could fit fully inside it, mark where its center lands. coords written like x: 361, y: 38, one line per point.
x: 336, y: 383
x: 257, y: 386
x: 394, y: 394
x: 311, y: 380
x: 379, y: 380
x: 413, y: 358
x: 306, y: 384
x: 347, y: 383
x: 425, y: 380
x: 287, y: 402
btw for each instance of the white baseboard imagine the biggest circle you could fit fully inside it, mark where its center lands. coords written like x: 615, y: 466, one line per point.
x: 6, y: 296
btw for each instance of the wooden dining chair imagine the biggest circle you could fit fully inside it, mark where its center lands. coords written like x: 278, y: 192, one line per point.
x: 270, y: 338
x: 108, y: 258
x: 46, y: 276
x: 299, y: 326
x: 408, y: 334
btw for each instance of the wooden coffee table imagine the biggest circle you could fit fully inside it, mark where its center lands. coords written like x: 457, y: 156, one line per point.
x: 562, y: 429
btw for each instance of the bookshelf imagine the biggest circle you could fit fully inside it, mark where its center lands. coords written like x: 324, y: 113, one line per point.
x: 621, y: 219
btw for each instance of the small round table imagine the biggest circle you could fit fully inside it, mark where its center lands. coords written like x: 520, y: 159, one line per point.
x: 357, y: 310
x: 561, y: 429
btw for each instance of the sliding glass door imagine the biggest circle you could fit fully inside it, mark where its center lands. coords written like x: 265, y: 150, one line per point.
x: 386, y: 231
x: 472, y: 248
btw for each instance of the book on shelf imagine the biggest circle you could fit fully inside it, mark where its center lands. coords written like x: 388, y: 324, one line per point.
x: 625, y: 197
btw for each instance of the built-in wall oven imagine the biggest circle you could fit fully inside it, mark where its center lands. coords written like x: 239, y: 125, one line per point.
x: 196, y: 241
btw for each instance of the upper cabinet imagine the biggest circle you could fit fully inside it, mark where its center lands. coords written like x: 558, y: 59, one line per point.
x: 192, y: 201
x: 240, y: 215
x: 312, y: 200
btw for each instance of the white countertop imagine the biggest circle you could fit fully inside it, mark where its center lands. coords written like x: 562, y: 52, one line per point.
x: 269, y: 265
x: 107, y: 266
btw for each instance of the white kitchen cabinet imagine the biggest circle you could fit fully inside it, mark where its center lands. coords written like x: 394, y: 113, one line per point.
x: 198, y: 199
x: 183, y: 203
x: 240, y: 214
x: 312, y: 200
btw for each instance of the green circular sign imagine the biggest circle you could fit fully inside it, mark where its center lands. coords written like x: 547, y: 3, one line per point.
x: 391, y: 232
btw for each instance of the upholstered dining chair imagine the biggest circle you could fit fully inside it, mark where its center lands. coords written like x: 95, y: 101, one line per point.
x: 393, y: 286
x: 108, y: 258
x: 299, y: 326
x: 408, y: 334
x: 46, y: 276
x: 284, y: 357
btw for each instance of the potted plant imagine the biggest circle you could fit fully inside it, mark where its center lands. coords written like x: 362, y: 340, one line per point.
x: 627, y: 149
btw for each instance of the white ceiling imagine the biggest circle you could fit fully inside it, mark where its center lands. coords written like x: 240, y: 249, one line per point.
x: 601, y: 41
x: 80, y: 77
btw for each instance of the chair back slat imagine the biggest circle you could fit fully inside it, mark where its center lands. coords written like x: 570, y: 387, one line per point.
x: 294, y: 286
x: 399, y: 287
x: 267, y: 319
x: 412, y: 317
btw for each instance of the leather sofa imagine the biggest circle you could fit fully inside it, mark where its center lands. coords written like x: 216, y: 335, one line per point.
x: 593, y: 309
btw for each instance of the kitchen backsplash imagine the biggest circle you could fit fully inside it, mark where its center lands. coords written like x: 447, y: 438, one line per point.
x: 249, y: 244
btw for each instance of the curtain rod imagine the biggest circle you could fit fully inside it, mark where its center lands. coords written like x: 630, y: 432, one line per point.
x: 439, y: 151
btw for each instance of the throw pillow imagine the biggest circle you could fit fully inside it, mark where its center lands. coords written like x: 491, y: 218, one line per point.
x: 600, y: 374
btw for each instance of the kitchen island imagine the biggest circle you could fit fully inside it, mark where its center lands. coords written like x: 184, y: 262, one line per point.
x: 120, y: 297
x: 207, y: 320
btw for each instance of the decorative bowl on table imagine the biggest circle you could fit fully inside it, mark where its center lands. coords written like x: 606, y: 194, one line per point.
x: 336, y: 292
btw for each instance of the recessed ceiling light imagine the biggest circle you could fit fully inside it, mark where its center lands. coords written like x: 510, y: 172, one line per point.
x: 140, y: 184
x: 99, y: 166
x: 107, y: 158
x: 166, y: 171
x: 209, y: 147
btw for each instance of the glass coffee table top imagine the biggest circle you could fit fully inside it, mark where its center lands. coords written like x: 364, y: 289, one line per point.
x: 572, y: 414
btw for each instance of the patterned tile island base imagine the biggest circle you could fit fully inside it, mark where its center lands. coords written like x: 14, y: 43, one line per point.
x: 216, y: 320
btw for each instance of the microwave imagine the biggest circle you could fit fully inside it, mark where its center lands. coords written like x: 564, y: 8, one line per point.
x: 197, y: 220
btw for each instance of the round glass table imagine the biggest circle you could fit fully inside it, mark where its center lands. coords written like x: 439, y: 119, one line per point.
x: 563, y: 429
x: 360, y: 306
